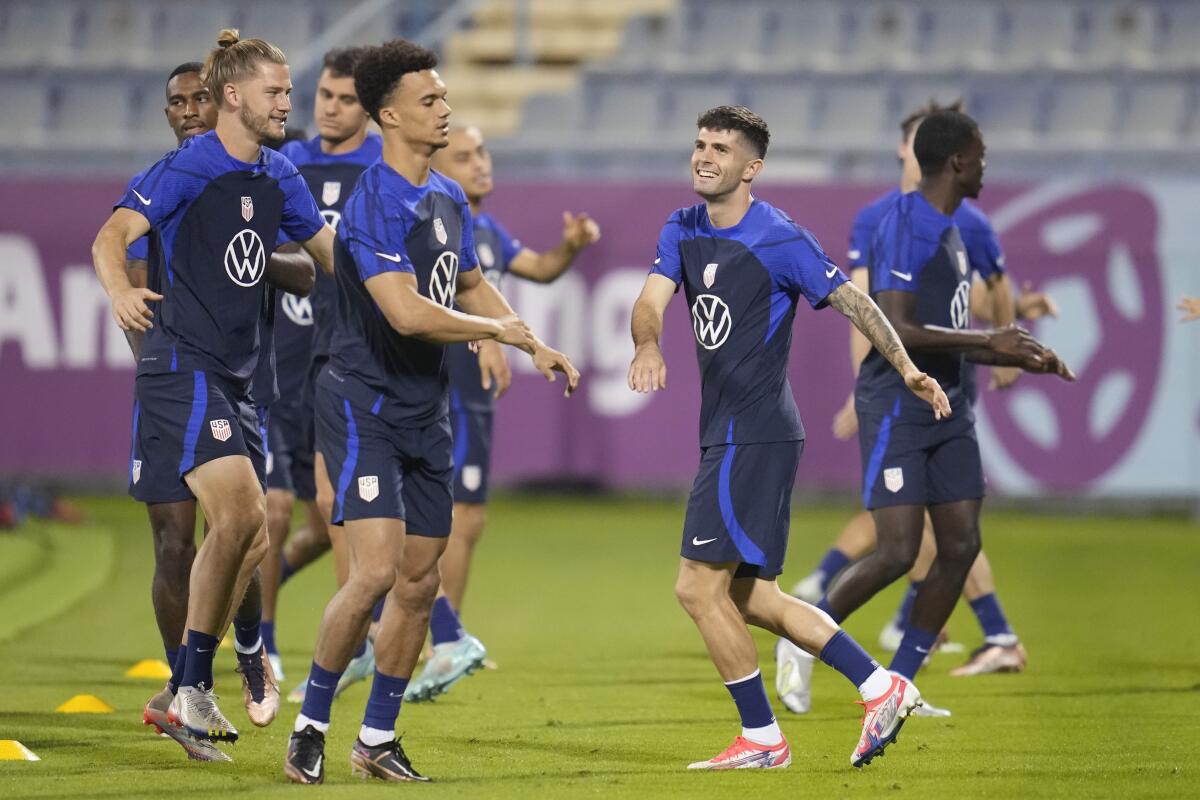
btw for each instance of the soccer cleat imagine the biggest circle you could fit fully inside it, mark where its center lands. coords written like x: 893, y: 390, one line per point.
x: 386, y: 761
x: 993, y: 658
x: 811, y: 588
x: 745, y: 754
x: 882, y: 719
x: 260, y: 690
x: 359, y: 669
x: 276, y: 666
x: 451, y: 662
x: 161, y: 701
x: 297, y: 695
x: 195, y: 710
x: 305, y: 760
x: 196, y: 749
x: 926, y: 710
x: 890, y: 637
x: 793, y: 676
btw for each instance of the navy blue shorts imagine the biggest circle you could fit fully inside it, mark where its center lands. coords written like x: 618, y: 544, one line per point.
x: 182, y: 420
x: 741, y: 506
x: 381, y: 470
x: 289, y: 455
x: 472, y: 455
x: 919, y: 463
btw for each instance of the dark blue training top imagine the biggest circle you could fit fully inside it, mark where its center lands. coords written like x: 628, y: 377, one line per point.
x: 217, y: 220
x: 742, y: 285
x: 390, y: 225
x: 495, y: 250
x: 918, y: 249
x: 331, y: 179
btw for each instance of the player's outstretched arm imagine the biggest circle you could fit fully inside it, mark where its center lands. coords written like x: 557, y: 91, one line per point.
x: 129, y: 307
x: 291, y: 270
x: 320, y: 247
x: 478, y: 296
x: 1190, y: 306
x: 579, y: 231
x: 999, y: 308
x: 856, y: 306
x: 648, y: 370
x: 412, y: 314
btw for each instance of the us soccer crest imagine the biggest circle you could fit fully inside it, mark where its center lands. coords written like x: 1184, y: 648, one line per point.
x: 368, y: 487
x: 472, y: 477
x: 486, y: 257
x: 330, y: 192
x: 439, y: 230
x: 710, y: 276
x: 137, y: 471
x: 247, y: 208
x: 962, y: 262
x: 220, y: 429
x: 893, y: 479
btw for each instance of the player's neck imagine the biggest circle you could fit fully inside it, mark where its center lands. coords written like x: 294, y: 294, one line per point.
x: 331, y: 148
x: 237, y: 141
x: 413, y: 165
x: 727, y: 210
x: 944, y: 195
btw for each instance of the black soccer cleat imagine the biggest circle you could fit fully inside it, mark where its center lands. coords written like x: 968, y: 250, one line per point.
x: 305, y: 762
x: 387, y: 762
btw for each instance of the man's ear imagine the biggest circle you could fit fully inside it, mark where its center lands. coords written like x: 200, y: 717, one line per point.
x: 231, y: 94
x: 752, y: 169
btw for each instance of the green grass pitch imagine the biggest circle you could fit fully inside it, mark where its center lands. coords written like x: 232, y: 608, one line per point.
x: 604, y: 689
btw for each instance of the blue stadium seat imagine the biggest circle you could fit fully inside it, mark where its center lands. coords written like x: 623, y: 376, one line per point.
x: 721, y: 34
x: 689, y: 97
x: 28, y: 104
x: 1008, y: 111
x: 190, y: 31
x: 786, y: 105
x: 807, y: 35
x: 853, y: 113
x: 621, y: 103
x: 885, y: 35
x: 1083, y: 113
x: 1120, y: 34
x: 94, y: 113
x: 913, y: 94
x: 1156, y: 113
x: 961, y: 34
x: 551, y: 115
x: 287, y: 25
x: 1181, y: 33
x: 1040, y: 34
x: 115, y: 33
x: 36, y: 32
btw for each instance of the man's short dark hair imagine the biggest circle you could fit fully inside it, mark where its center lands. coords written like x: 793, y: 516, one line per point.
x: 942, y: 134
x: 189, y: 66
x: 740, y: 119
x: 912, y: 120
x: 341, y: 61
x: 380, y: 69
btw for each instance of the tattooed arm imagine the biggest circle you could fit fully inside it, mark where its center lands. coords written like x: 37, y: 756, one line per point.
x: 856, y: 306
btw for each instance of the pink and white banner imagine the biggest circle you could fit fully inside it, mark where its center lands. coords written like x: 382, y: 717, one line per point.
x: 1116, y: 256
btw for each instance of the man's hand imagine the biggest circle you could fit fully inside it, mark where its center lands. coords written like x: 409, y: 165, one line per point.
x: 579, y: 230
x: 1016, y: 343
x: 845, y: 421
x: 1190, y: 306
x: 648, y: 372
x: 548, y: 361
x: 515, y: 332
x: 130, y: 311
x: 1033, y: 305
x: 1004, y: 377
x: 493, y: 368
x: 928, y: 390
x: 1053, y: 365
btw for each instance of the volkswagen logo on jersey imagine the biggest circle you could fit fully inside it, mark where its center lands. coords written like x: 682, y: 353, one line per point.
x: 247, y: 208
x: 297, y: 309
x: 330, y: 192
x: 245, y: 258
x: 711, y: 321
x: 439, y: 230
x: 332, y: 217
x: 960, y: 306
x: 443, y: 280
x: 710, y: 276
x: 485, y: 254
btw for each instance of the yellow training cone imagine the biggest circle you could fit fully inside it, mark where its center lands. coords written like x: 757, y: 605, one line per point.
x: 85, y: 704
x: 12, y: 750
x: 150, y: 668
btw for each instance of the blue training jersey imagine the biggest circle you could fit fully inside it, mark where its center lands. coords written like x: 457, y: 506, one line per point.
x: 305, y: 325
x: 390, y: 225
x: 495, y: 249
x: 742, y: 286
x: 217, y: 221
x: 918, y: 249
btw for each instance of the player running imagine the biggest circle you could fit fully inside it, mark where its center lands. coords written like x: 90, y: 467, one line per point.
x: 744, y: 266
x: 476, y: 381
x: 405, y: 255
x: 920, y: 274
x: 216, y: 206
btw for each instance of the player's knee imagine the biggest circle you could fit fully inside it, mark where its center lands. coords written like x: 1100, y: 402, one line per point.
x: 693, y: 596
x: 240, y: 519
x: 174, y: 548
x: 471, y: 519
x: 417, y: 592
x: 258, y: 546
x: 372, y: 580
x: 962, y: 552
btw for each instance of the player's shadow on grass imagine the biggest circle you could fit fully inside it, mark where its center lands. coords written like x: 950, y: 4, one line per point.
x: 556, y: 747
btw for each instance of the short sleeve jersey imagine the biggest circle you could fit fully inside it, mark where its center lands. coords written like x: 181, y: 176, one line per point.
x: 391, y: 225
x: 918, y: 249
x: 305, y: 325
x: 742, y: 285
x: 495, y: 249
x: 217, y: 221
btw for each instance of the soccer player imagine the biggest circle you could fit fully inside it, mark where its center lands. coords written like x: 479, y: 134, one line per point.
x: 920, y: 275
x: 330, y: 163
x: 476, y: 380
x: 405, y: 254
x: 216, y: 206
x: 744, y: 266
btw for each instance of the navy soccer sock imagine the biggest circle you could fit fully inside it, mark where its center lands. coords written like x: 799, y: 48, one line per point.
x: 444, y: 625
x: 383, y: 707
x: 846, y: 656
x: 914, y: 649
x: 991, y: 618
x: 377, y: 611
x: 318, y: 696
x: 905, y: 609
x: 197, y: 670
x: 758, y: 721
x: 268, y: 636
x: 831, y: 564
x: 177, y: 665
x: 286, y: 571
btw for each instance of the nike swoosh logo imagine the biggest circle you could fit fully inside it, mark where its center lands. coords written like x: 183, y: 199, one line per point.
x: 145, y: 201
x: 396, y: 258
x: 698, y: 541
x: 198, y: 650
x: 922, y: 650
x: 829, y: 273
x: 393, y: 694
x: 907, y: 276
x: 319, y: 686
x: 315, y: 772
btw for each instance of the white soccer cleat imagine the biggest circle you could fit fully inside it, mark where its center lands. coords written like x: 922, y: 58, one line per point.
x: 811, y: 588
x: 196, y: 711
x: 882, y: 719
x: 793, y: 676
x: 745, y: 754
x: 890, y: 637
x: 926, y: 710
x: 276, y: 666
x: 993, y: 658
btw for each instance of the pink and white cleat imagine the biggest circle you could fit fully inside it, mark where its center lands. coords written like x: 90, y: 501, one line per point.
x: 882, y: 719
x: 745, y: 754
